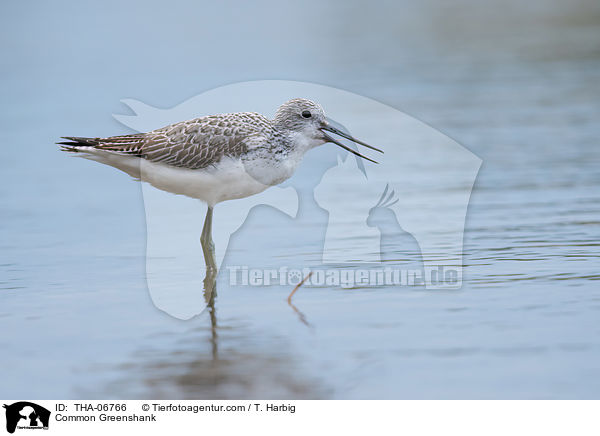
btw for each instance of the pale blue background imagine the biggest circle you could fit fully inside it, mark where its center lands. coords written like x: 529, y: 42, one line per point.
x: 515, y: 82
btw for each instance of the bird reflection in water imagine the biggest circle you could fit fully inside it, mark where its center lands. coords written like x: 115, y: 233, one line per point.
x: 225, y: 359
x: 210, y: 293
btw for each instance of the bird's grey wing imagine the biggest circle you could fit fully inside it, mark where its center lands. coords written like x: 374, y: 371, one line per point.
x: 196, y: 143
x: 193, y: 144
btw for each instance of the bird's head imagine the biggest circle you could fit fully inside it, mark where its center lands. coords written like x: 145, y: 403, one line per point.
x: 306, y: 119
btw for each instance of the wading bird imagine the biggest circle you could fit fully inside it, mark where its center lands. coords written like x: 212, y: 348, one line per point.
x: 218, y: 157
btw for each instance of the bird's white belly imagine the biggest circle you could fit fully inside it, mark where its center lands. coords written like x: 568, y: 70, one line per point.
x: 226, y: 181
x: 231, y: 178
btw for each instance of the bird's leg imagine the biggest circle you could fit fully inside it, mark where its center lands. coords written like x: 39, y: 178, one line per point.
x: 208, y: 247
x: 210, y: 281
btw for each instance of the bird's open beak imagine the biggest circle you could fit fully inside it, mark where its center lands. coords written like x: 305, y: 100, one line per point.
x: 328, y: 138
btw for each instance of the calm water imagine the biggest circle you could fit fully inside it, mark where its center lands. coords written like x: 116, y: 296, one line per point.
x: 518, y: 87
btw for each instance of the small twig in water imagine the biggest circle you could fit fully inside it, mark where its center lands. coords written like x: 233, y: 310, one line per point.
x: 289, y: 299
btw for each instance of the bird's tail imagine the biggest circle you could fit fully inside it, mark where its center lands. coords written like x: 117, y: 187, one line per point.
x: 125, y: 144
x: 74, y: 143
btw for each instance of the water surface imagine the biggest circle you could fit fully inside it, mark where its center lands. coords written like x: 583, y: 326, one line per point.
x: 517, y: 85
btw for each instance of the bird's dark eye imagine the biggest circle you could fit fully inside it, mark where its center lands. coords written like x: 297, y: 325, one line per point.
x: 306, y: 114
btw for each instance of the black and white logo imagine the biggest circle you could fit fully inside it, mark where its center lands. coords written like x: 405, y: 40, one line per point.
x: 26, y: 415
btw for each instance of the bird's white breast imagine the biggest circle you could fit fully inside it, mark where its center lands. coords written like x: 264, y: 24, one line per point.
x: 227, y: 180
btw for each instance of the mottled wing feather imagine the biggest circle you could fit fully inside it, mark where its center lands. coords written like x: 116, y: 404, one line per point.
x: 193, y: 144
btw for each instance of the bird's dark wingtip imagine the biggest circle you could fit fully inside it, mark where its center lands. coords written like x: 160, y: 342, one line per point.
x: 74, y: 142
